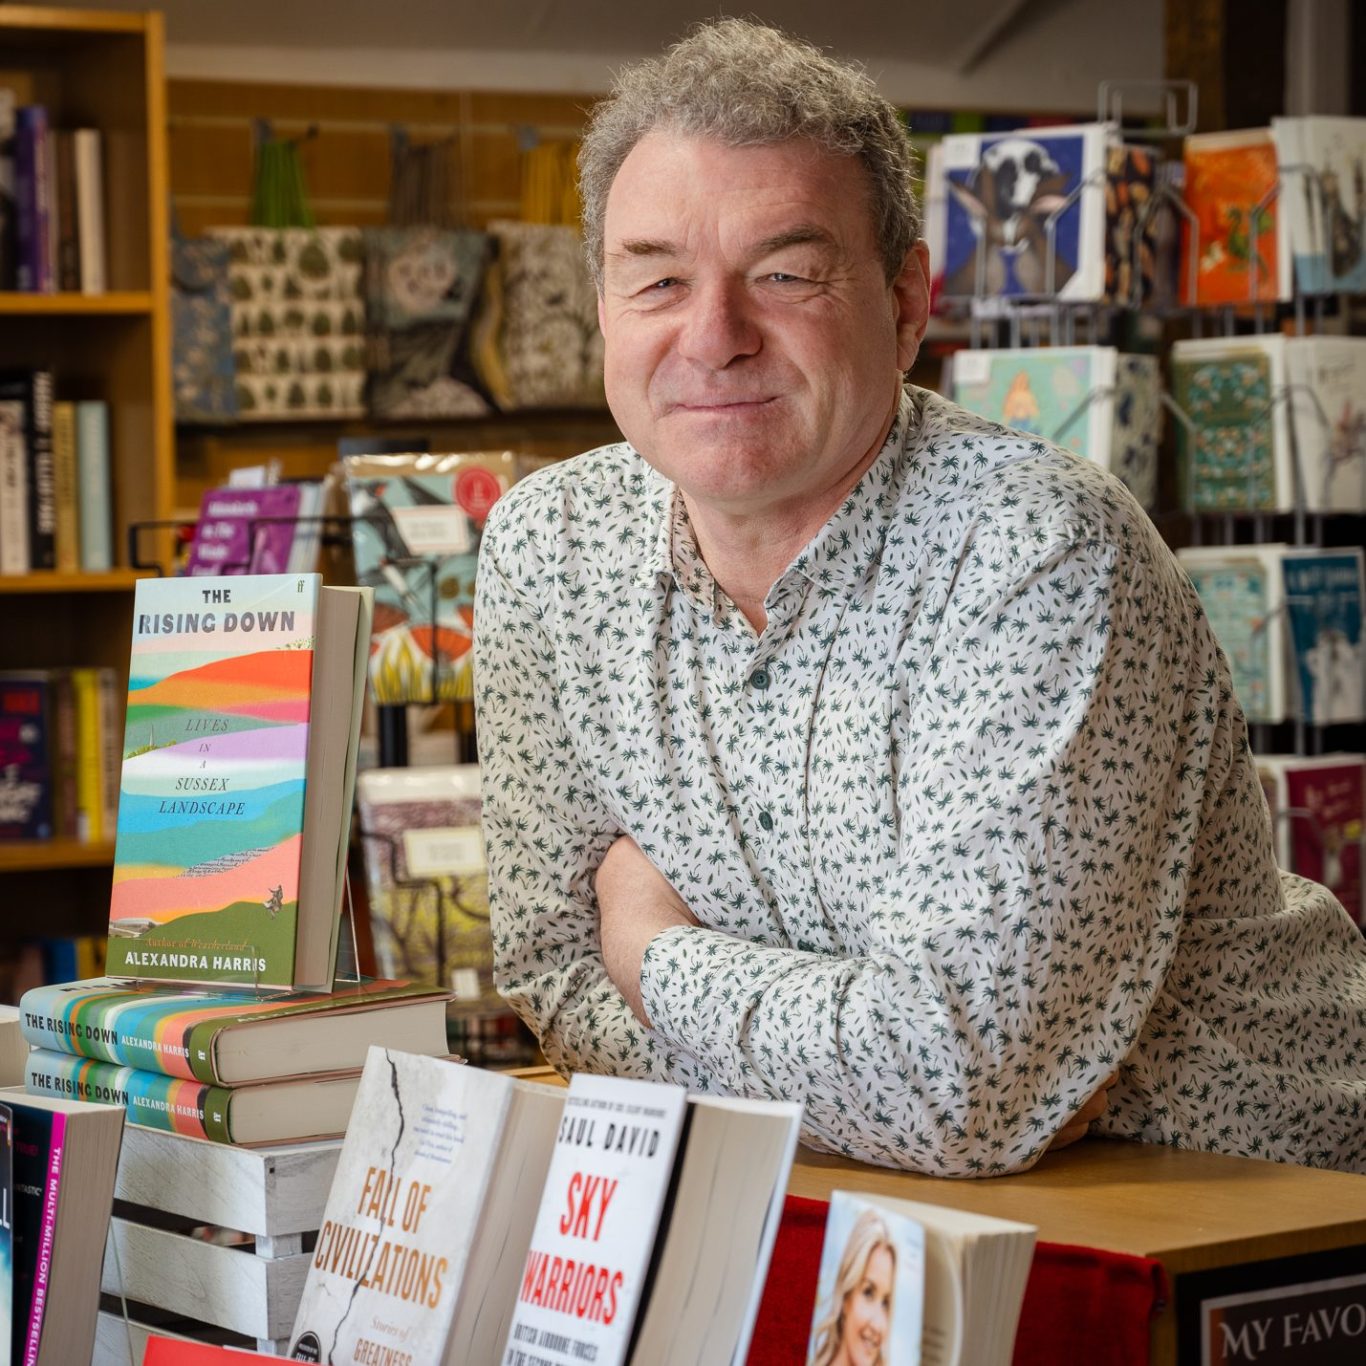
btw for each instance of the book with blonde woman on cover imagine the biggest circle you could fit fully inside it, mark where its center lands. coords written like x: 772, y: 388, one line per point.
x: 239, y: 763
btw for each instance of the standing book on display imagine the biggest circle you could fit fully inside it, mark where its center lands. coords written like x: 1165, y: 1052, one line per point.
x: 931, y: 1285
x: 426, y: 1226
x: 1242, y: 589
x: 1327, y: 400
x: 1323, y: 200
x: 245, y: 531
x: 1323, y: 601
x: 239, y: 761
x: 655, y: 1229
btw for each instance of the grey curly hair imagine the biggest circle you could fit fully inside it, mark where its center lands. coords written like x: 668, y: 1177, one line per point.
x: 745, y: 84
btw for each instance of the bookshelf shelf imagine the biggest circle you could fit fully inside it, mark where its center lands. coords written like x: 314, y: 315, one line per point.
x: 129, y: 302
x: 47, y: 581
x: 29, y: 856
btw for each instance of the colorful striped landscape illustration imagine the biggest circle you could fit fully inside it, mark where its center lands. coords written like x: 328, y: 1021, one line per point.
x: 211, y: 803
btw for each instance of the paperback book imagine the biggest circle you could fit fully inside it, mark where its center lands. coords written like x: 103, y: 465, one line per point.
x: 232, y: 1039
x: 1242, y: 589
x: 1327, y: 377
x: 37, y: 755
x: 1324, y: 599
x: 6, y: 1234
x: 244, y: 704
x: 430, y: 1212
x: 245, y: 531
x: 1323, y: 198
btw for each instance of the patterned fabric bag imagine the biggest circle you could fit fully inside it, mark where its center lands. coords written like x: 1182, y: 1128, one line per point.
x: 201, y: 331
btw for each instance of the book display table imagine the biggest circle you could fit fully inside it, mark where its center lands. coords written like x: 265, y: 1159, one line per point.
x: 178, y: 1283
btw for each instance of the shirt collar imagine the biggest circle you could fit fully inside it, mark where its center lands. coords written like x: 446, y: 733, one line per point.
x: 836, y: 558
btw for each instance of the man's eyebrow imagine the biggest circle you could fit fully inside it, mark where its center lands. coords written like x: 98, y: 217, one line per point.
x: 645, y: 246
x: 803, y: 235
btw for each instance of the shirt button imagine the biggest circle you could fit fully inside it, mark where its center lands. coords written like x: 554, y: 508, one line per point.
x: 759, y: 678
x: 765, y: 820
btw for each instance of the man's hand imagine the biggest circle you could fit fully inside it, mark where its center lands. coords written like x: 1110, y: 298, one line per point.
x: 1077, y: 1126
x: 635, y: 903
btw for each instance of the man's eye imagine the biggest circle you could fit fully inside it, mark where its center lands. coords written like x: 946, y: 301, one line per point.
x: 783, y: 277
x: 667, y: 282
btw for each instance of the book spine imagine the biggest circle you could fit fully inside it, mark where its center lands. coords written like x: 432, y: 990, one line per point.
x: 13, y: 490
x: 42, y: 505
x: 7, y: 202
x: 27, y: 159
x: 68, y: 241
x: 26, y: 795
x: 90, y: 209
x: 167, y: 1103
x: 67, y: 533
x: 85, y: 685
x: 90, y: 1027
x: 63, y: 752
x: 93, y: 500
x: 111, y: 747
x: 43, y: 1270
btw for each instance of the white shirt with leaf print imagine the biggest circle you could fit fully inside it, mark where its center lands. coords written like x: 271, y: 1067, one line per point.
x: 971, y: 825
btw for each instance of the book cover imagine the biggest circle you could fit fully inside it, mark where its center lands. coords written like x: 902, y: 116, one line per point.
x: 94, y: 490
x: 6, y: 1233
x: 238, y: 531
x: 1327, y: 402
x: 417, y: 522
x: 1140, y: 268
x: 589, y: 1262
x: 871, y: 1287
x: 427, y: 877
x: 1136, y: 438
x: 407, y: 1205
x: 1320, y: 809
x: 1237, y: 455
x: 33, y: 389
x: 211, y: 798
x: 1000, y: 195
x: 39, y: 1144
x: 160, y: 1029
x: 1241, y: 591
x: 28, y: 739
x: 1324, y: 599
x: 1323, y: 194
x: 1041, y: 390
x: 66, y: 530
x: 1229, y: 182
x: 14, y: 551
x: 269, y: 1112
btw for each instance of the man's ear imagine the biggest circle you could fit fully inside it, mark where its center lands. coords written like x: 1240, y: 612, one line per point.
x: 911, y: 304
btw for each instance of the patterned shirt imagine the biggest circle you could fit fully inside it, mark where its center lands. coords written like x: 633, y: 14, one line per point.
x: 969, y: 826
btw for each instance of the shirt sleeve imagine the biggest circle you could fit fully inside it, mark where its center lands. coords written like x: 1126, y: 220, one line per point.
x: 1050, y: 789
x: 545, y: 833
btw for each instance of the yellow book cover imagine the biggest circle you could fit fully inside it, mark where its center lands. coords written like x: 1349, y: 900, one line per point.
x: 68, y: 532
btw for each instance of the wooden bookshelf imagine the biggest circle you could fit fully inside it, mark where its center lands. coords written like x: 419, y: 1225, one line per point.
x: 101, y: 70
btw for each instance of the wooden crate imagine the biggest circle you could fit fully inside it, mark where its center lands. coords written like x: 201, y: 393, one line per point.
x: 168, y: 1183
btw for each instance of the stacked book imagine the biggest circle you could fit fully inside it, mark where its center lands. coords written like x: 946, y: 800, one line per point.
x: 226, y: 1017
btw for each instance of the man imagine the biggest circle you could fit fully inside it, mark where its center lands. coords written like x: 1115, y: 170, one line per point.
x: 840, y: 744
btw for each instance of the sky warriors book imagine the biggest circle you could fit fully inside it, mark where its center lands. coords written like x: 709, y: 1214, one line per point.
x: 238, y: 769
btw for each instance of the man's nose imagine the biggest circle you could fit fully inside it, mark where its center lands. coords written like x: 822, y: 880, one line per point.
x: 718, y: 326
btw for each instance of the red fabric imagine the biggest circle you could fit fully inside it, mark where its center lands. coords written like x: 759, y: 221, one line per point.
x: 1080, y: 1303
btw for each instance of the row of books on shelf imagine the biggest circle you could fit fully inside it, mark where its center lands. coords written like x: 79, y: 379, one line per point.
x: 60, y: 732
x: 1265, y: 423
x: 52, y: 233
x: 55, y: 492
x: 1078, y: 214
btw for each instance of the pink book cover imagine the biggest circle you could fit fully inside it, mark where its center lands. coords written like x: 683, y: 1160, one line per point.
x: 43, y: 1271
x: 1328, y: 847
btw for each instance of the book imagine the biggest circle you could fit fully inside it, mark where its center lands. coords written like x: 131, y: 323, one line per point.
x: 14, y: 551
x: 1242, y: 591
x: 8, y: 240
x: 33, y: 200
x: 1317, y: 811
x: 429, y: 1215
x: 6, y: 1234
x: 936, y: 1285
x: 1237, y: 455
x: 1324, y: 598
x: 233, y: 1038
x: 655, y: 1228
x: 289, y: 1111
x: 90, y: 748
x: 33, y: 389
x: 415, y: 531
x: 37, y: 755
x: 1230, y: 185
x: 66, y: 528
x: 244, y: 702
x: 13, y: 1049
x: 239, y: 531
x: 65, y: 1157
x: 68, y: 258
x: 1327, y: 399
x: 178, y: 1351
x: 94, y: 491
x: 89, y: 167
x: 996, y: 200
x: 1323, y: 200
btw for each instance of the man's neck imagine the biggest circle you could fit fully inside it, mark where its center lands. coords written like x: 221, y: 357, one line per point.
x: 748, y: 552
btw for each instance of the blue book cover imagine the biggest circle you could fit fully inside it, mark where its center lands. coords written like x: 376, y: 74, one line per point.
x: 1323, y: 599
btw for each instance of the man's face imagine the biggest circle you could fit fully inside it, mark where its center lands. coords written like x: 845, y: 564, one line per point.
x: 753, y: 343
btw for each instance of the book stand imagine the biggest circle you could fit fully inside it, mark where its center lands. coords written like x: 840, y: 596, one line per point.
x: 169, y: 1266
